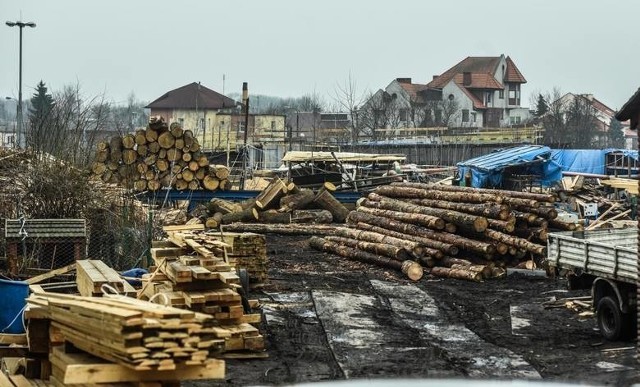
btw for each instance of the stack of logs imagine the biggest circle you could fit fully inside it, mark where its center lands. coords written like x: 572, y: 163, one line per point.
x: 457, y: 232
x: 278, y: 203
x: 159, y: 156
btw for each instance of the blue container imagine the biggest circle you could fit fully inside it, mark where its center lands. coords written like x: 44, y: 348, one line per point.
x: 13, y: 295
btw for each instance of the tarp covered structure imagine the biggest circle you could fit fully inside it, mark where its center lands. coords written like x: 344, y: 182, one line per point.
x: 489, y: 170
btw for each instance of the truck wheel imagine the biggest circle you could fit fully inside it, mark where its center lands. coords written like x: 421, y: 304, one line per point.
x: 611, y: 320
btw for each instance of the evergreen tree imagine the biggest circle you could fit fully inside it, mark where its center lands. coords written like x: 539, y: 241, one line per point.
x: 615, y: 134
x: 542, y: 107
x: 40, y: 112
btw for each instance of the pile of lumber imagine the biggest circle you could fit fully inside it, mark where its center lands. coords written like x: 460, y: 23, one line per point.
x: 247, y: 251
x: 160, y: 156
x: 94, y: 278
x: 136, y: 334
x: 278, y: 203
x: 457, y: 232
x: 191, y: 272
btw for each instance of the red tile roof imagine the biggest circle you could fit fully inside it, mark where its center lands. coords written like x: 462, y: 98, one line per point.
x: 477, y: 103
x: 412, y: 89
x: 479, y: 81
x: 473, y: 65
x: 512, y: 74
x: 192, y: 96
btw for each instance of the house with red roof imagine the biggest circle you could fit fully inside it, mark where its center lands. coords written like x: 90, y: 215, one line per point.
x: 487, y: 91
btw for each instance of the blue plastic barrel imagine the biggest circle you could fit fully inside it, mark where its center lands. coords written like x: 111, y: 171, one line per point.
x: 13, y: 295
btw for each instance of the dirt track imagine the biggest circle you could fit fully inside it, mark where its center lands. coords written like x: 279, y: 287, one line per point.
x: 331, y: 319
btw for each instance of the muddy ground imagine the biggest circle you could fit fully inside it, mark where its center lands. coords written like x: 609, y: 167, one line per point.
x: 329, y: 319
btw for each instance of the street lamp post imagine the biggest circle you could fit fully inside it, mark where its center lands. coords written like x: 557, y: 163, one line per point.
x: 20, y: 26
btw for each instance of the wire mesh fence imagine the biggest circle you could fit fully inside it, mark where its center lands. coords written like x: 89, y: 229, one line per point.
x: 119, y: 235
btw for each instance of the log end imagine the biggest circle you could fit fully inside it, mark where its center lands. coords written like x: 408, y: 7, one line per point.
x: 412, y: 270
x: 480, y: 224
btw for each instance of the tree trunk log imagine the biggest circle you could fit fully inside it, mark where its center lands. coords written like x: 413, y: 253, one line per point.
x: 296, y: 201
x: 273, y: 216
x: 176, y: 130
x: 547, y: 212
x: 327, y: 201
x: 488, y: 210
x: 405, y: 228
x: 142, y: 150
x: 429, y: 251
x: 129, y: 156
x: 414, y: 248
x: 166, y: 140
x: 270, y: 196
x: 153, y: 184
x: 311, y: 216
x: 128, y: 141
x: 550, y: 198
x: 397, y: 253
x: 248, y: 215
x: 501, y: 225
x: 283, y: 229
x: 221, y: 171
x: 478, y: 223
x: 224, y: 206
x: 411, y: 269
x: 211, y: 183
x: 561, y: 225
x: 140, y: 137
x: 516, y: 241
x: 455, y: 273
x: 412, y: 191
x: 214, y: 221
x: 181, y: 185
x: 151, y: 135
x: 153, y: 147
x: 429, y: 221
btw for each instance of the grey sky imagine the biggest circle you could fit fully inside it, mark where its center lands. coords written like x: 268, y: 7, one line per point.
x: 290, y: 48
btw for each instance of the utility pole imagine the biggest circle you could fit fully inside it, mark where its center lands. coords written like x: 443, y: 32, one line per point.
x: 245, y: 104
x: 20, y: 134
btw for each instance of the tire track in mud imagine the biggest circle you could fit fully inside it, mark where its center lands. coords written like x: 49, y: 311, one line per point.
x: 478, y: 358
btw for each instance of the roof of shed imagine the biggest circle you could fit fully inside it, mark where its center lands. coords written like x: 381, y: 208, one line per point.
x: 45, y: 228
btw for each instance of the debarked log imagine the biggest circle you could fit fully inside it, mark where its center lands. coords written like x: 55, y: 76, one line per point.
x: 411, y: 269
x: 488, y: 210
x: 428, y: 251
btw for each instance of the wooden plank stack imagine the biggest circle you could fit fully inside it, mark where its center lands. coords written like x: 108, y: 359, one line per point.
x: 248, y: 251
x: 136, y: 334
x: 94, y: 278
x: 192, y: 274
x: 457, y: 232
x: 160, y: 156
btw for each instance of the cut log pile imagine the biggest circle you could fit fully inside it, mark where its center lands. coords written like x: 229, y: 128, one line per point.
x: 451, y: 231
x: 191, y: 273
x: 278, y: 204
x: 160, y: 156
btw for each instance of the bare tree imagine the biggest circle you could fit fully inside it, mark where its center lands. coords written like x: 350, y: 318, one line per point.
x: 569, y: 122
x: 450, y: 111
x: 349, y: 99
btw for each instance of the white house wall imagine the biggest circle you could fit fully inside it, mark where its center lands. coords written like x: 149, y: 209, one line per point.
x: 464, y: 102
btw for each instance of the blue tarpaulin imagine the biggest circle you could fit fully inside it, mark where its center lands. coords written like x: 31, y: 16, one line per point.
x: 488, y: 170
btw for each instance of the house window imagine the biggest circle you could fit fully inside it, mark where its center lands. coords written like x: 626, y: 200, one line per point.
x: 473, y: 117
x: 273, y: 125
x: 403, y: 114
x: 489, y: 98
x: 514, y: 120
x: 501, y: 94
x: 465, y: 115
x: 514, y: 94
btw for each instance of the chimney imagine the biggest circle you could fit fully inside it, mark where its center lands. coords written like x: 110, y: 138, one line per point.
x: 466, y: 78
x: 404, y: 80
x: 434, y: 77
x: 588, y: 96
x: 245, y: 93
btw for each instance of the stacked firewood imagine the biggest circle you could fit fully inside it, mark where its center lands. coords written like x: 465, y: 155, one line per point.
x: 457, y: 232
x: 278, y: 203
x: 160, y: 156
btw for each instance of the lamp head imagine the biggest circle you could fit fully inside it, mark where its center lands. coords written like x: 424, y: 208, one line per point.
x: 11, y: 24
x: 30, y: 24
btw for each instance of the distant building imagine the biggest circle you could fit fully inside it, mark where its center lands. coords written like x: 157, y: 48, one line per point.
x: 217, y: 121
x: 630, y: 111
x: 312, y: 128
x: 487, y: 89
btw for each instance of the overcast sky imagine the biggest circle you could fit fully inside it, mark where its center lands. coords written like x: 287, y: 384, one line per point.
x: 293, y: 47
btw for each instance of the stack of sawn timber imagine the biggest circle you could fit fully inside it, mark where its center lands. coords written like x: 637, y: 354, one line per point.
x: 137, y: 334
x: 159, y: 156
x: 458, y: 232
x: 279, y: 203
x: 248, y: 251
x: 191, y: 273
